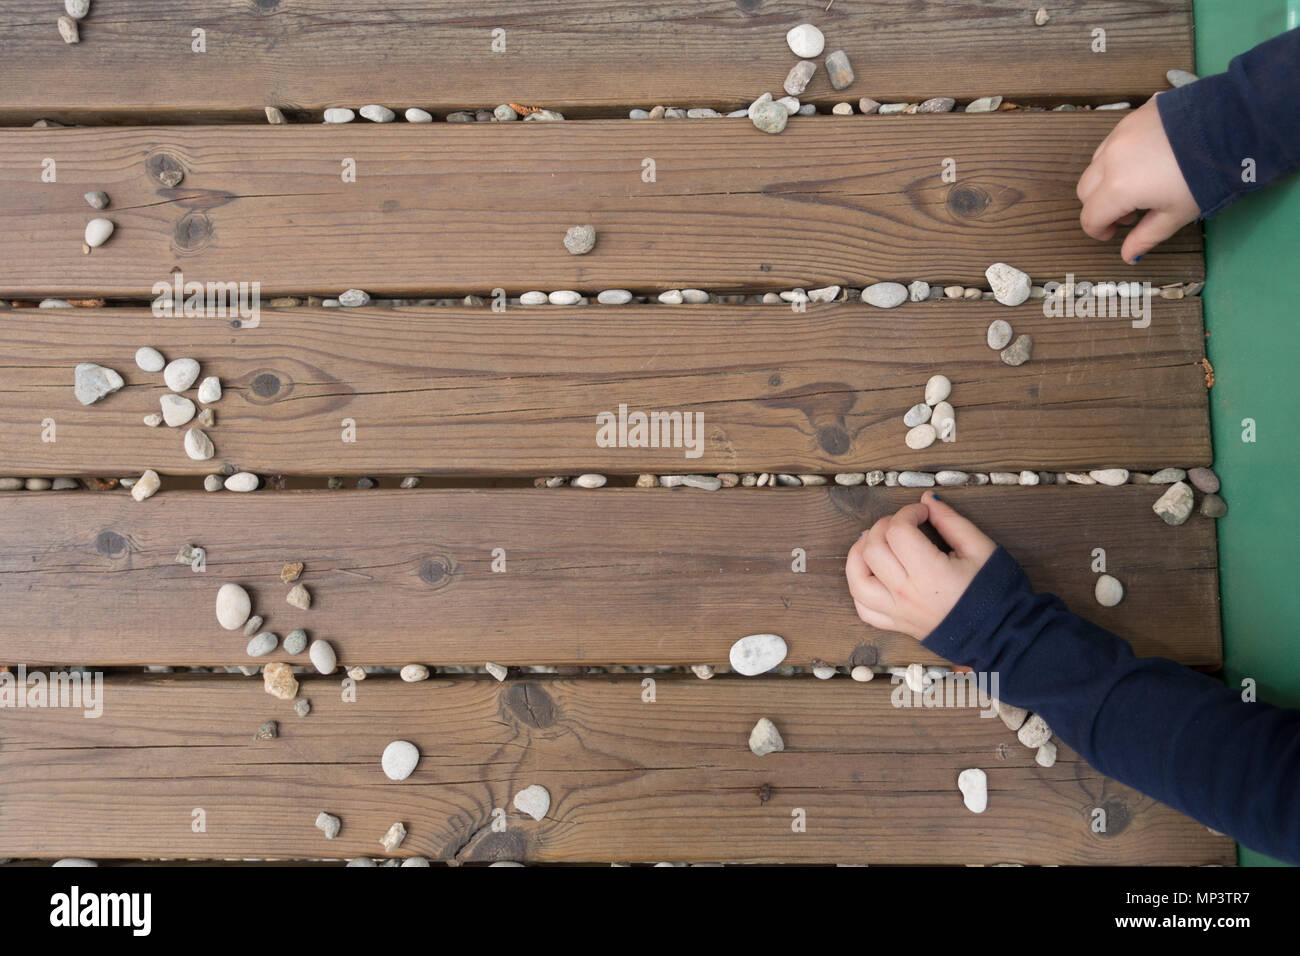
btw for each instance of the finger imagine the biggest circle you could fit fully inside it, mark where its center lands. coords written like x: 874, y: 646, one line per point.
x: 1127, y: 220
x: 962, y: 535
x: 1088, y: 182
x: 873, y: 617
x: 913, y: 549
x: 881, y: 560
x: 1101, y: 210
x: 868, y: 590
x: 856, y: 570
x: 1156, y: 226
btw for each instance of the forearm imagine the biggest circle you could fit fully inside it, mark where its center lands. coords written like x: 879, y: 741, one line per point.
x: 1172, y: 733
x: 1237, y: 131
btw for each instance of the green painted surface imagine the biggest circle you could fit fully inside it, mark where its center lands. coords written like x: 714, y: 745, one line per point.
x: 1253, y: 315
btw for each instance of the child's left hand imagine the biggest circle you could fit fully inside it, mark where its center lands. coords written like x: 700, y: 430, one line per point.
x: 902, y: 582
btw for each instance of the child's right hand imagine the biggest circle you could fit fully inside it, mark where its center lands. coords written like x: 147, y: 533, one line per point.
x: 1134, y: 169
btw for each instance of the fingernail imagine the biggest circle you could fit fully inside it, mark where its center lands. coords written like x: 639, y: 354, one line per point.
x: 1137, y: 259
x: 935, y: 497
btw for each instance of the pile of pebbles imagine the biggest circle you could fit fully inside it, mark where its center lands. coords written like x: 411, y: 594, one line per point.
x: 75, y: 10
x: 931, y: 420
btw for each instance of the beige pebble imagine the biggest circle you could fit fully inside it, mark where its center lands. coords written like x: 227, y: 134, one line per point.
x: 496, y: 670
x: 393, y: 838
x: 146, y: 486
x: 278, y: 680
x: 765, y: 738
x: 921, y: 436
x: 299, y: 597
x: 1034, y: 732
x: 412, y: 673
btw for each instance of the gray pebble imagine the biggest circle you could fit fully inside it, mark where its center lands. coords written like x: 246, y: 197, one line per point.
x: 92, y: 382
x: 410, y: 481
x: 700, y: 112
x: 985, y: 104
x: 417, y: 115
x: 1029, y: 478
x: 867, y: 105
x: 1175, y: 505
x: 937, y: 104
x: 885, y: 295
x: 807, y: 109
x: 951, y: 479
x: 580, y: 240
x: 916, y: 479
x: 302, y: 707
x: 890, y: 109
x: 505, y: 113
x: 254, y: 623
x: 329, y: 824
x: 269, y: 730
x: 1180, y: 77
x: 97, y: 199
x: 295, y: 642
x: 1203, y: 479
x: 631, y: 114
x: 789, y: 481
x: 918, y: 414
x: 768, y: 115
x: 1212, y: 506
x: 1167, y: 476
x: 262, y: 644
x: 1019, y: 351
x: 149, y: 359
x: 76, y: 8
x: 790, y: 103
x: 999, y: 334
x: 378, y: 114
x: 873, y: 478
x: 918, y: 290
x: 213, y: 482
x: 353, y: 298
x: 706, y: 482
x: 839, y: 70
x: 65, y: 484
x: 460, y: 116
x: 850, y: 478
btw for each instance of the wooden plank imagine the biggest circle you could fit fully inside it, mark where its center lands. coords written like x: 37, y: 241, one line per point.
x: 454, y: 209
x: 469, y: 392
x: 619, y: 575
x: 577, y: 55
x: 629, y: 780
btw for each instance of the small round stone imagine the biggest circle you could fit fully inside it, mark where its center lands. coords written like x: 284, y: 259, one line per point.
x: 1212, y: 506
x: 212, y: 482
x: 241, y: 481
x: 180, y: 374
x: 339, y: 114
x: 768, y: 115
x: 353, y: 298
x: 842, y: 109
x: 98, y: 231
x: 918, y: 414
x: 580, y: 240
x: 1203, y: 479
x: 233, y: 606
x: 915, y: 479
x: 974, y: 787
x: 149, y: 359
x: 589, y: 480
x: 1019, y: 352
x: 614, y: 297
x: 671, y: 297
x: 951, y: 479
x: 1109, y: 476
x: 937, y: 389
x: 322, y: 656
x: 378, y: 114
x: 413, y: 673
x: 176, y: 410
x: 97, y: 199
x: 885, y: 295
x: 533, y: 298
x: 563, y: 297
x: 295, y: 642
x: 1175, y: 505
x: 862, y: 673
x: 805, y: 41
x: 1010, y: 286
x: 399, y: 759
x: 1108, y: 591
x: 922, y: 436
x: 328, y: 824
x: 198, y: 446
x: 416, y: 115
x: 999, y: 334
x: 800, y: 75
x: 210, y: 390
x: 262, y: 644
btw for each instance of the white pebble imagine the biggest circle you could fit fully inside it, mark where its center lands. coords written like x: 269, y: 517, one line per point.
x: 1028, y: 478
x: 149, y: 359
x: 1034, y: 732
x: 233, y: 606
x: 98, y: 231
x: 1109, y: 476
x: 533, y: 298
x: 914, y: 677
x: 765, y: 738
x: 918, y: 414
x: 496, y: 670
x: 885, y: 295
x: 589, y: 481
x: 862, y: 673
x: 974, y: 787
x: 322, y: 656
x: 823, y: 671
x: 671, y: 297
x: 328, y: 824
x: 806, y: 41
x: 1010, y: 286
x: 922, y: 436
x: 399, y: 759
x: 176, y: 409
x: 614, y: 297
x: 412, y: 673
x: 1108, y: 591
x: 180, y: 374
x: 999, y: 335
x: 262, y: 644
x: 210, y: 390
x: 1045, y: 756
x: 198, y: 446
x: 146, y: 486
x: 937, y: 389
x: 339, y: 115
x: 564, y: 297
x: 757, y: 654
x: 241, y: 481
x: 378, y: 114
x: 533, y: 800
x: 417, y: 115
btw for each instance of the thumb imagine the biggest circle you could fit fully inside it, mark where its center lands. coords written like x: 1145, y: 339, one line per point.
x: 960, y: 533
x: 1154, y: 228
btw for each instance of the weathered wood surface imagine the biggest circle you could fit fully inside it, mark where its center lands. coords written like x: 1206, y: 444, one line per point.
x: 629, y: 780
x: 455, y: 209
x: 618, y: 575
x: 579, y: 55
x: 471, y: 392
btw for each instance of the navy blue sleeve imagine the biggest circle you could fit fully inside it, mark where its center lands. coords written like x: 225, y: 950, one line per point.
x: 1250, y: 112
x: 1170, y: 732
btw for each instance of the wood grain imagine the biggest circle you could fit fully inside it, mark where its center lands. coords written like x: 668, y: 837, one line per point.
x: 578, y: 55
x: 470, y: 392
x: 629, y: 781
x: 618, y: 575
x: 455, y: 209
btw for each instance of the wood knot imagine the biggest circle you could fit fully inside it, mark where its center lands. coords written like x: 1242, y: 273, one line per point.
x: 437, y: 571
x: 268, y: 385
x: 110, y: 544
x: 530, y: 704
x: 833, y: 439
x: 192, y: 232
x: 967, y: 202
x: 864, y: 655
x: 165, y: 169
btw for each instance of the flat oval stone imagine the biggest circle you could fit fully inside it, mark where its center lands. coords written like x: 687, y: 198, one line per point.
x: 1167, y: 476
x: 413, y: 673
x: 233, y: 606
x: 262, y: 644
x: 339, y: 114
x: 918, y: 414
x: 322, y: 656
x: 805, y: 41
x: 533, y: 298
x: 951, y: 479
x: 399, y: 759
x: 915, y: 479
x: 985, y: 104
x: 149, y: 359
x: 922, y: 436
x: 671, y: 297
x: 937, y: 388
x: 839, y: 70
x: 1109, y: 476
x: 999, y: 334
x: 1108, y: 591
x: 198, y: 446
x: 885, y: 295
x: 1203, y: 479
x: 800, y: 75
x: 757, y: 654
x: 589, y: 481
x: 417, y: 115
x: 378, y: 114
x: 295, y: 642
x: 974, y: 787
x: 180, y: 374
x: 241, y: 481
x: 564, y: 297
x: 614, y: 297
x: 98, y: 231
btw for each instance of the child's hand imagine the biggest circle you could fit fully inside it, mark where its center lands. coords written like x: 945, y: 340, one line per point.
x: 902, y: 582
x: 1134, y: 169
